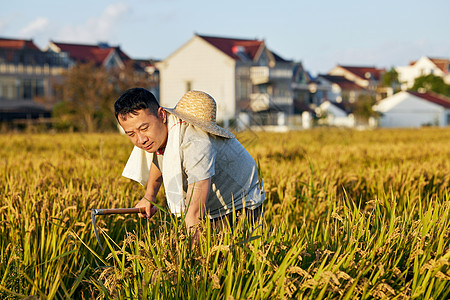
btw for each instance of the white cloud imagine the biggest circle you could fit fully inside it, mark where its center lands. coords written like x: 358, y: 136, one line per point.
x: 36, y: 27
x: 101, y: 28
x: 38, y: 30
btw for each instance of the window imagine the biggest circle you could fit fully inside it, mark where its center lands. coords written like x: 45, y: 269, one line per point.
x: 39, y: 90
x: 27, y: 89
x: 30, y: 88
x: 8, y: 88
x: 448, y: 119
x: 243, y: 88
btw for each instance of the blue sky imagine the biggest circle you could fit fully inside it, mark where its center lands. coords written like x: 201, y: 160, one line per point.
x: 321, y: 34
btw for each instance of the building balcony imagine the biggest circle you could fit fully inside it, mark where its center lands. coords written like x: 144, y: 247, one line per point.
x: 21, y: 69
x: 261, y: 75
x: 264, y: 101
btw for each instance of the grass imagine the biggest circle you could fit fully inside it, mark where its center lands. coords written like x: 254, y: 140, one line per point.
x: 348, y: 215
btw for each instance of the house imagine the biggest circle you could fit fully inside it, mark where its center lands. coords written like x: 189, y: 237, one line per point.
x: 101, y: 54
x: 333, y: 113
x: 25, y: 76
x: 301, y: 81
x: 303, y: 88
x: 109, y: 57
x: 414, y: 109
x: 334, y: 96
x: 152, y: 78
x: 303, y: 96
x: 423, y: 66
x: 342, y: 102
x: 242, y: 75
x: 367, y: 77
x: 338, y: 89
x: 334, y: 93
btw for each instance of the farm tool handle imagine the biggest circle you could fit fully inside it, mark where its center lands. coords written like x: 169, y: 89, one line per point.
x: 112, y: 211
x: 115, y: 211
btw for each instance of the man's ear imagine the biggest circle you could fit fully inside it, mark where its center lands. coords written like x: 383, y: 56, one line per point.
x: 162, y: 114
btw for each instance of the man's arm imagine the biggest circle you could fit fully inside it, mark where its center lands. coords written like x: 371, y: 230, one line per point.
x: 196, y: 197
x: 153, y: 184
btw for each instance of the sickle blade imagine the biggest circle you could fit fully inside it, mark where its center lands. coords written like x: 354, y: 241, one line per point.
x: 94, y: 225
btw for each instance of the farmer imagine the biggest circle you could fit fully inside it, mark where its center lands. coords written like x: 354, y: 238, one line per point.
x: 205, y: 170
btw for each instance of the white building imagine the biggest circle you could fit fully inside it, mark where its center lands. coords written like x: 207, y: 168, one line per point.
x: 338, y: 89
x: 414, y: 109
x: 241, y: 75
x: 334, y: 114
x: 422, y: 67
x: 365, y: 76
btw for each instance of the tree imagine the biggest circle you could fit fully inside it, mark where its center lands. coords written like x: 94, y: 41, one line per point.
x: 431, y: 83
x: 390, y: 79
x: 85, y: 89
x: 362, y: 108
x: 88, y: 93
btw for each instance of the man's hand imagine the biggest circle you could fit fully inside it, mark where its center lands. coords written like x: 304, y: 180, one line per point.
x: 150, y: 209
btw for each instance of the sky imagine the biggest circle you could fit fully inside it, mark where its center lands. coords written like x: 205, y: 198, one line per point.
x: 318, y: 33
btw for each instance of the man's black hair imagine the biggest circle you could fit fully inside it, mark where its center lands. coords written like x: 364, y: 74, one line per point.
x: 135, y: 99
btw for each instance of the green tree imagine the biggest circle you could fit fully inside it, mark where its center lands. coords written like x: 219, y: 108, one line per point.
x: 362, y: 108
x: 86, y: 90
x: 390, y: 79
x: 88, y: 93
x: 431, y: 83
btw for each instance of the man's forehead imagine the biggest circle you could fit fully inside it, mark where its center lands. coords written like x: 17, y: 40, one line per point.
x: 132, y: 114
x: 138, y: 118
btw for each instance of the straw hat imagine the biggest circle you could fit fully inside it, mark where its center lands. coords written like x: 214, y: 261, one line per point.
x: 199, y: 109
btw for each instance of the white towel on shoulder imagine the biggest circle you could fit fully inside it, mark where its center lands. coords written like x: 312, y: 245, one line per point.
x: 140, y: 161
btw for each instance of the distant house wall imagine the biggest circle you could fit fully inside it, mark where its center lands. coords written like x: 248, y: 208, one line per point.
x: 410, y: 111
x: 424, y: 66
x: 199, y: 66
x: 347, y: 121
x: 335, y: 116
x: 409, y: 119
x: 446, y: 117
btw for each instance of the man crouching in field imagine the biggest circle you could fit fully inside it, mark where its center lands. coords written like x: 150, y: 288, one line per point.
x: 205, y: 170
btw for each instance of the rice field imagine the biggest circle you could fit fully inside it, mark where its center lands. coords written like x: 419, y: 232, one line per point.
x: 348, y: 215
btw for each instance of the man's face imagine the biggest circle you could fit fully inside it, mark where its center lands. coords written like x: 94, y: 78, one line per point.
x: 145, y: 130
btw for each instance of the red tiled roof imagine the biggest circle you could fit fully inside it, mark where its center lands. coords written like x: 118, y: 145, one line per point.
x: 441, y: 63
x: 362, y: 71
x: 90, y: 53
x: 101, y: 54
x: 230, y: 46
x: 17, y: 44
x: 343, y: 82
x: 433, y: 97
